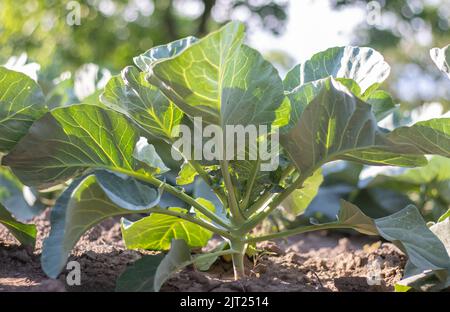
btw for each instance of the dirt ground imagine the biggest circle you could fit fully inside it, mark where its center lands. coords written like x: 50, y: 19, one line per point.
x: 311, y: 262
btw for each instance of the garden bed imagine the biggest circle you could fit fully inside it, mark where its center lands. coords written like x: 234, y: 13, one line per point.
x: 321, y: 261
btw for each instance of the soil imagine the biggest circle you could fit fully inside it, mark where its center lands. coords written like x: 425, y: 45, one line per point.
x: 316, y: 262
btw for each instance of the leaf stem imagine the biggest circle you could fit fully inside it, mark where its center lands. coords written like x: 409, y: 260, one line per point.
x: 204, y: 175
x: 184, y: 216
x: 250, y: 184
x: 238, y: 258
x: 276, y: 201
x: 176, y: 192
x: 236, y: 214
x: 263, y: 199
x: 287, y: 172
x: 258, y: 204
x: 215, y: 254
x: 304, y: 229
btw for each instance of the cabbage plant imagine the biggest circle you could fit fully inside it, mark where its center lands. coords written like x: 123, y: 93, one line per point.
x: 114, y: 153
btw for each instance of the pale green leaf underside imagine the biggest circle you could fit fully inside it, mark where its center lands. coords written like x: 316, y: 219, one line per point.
x: 145, y: 60
x: 424, y: 281
x: 148, y: 158
x: 428, y: 268
x: 156, y: 232
x: 83, y: 205
x: 21, y: 103
x: 13, y: 197
x: 179, y: 257
x: 352, y: 217
x: 424, y: 249
x: 427, y: 280
x: 127, y: 192
x: 363, y: 65
x: 204, y: 262
x: 139, y: 277
x: 442, y: 231
x: 25, y: 233
x: 149, y: 273
x: 68, y: 140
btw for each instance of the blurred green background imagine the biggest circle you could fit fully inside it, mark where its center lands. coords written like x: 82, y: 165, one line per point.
x: 112, y: 32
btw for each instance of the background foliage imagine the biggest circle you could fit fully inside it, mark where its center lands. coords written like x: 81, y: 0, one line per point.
x: 113, y: 31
